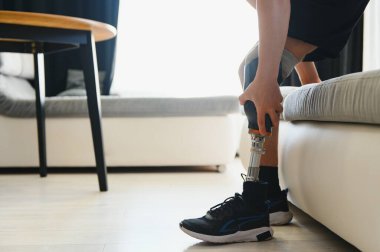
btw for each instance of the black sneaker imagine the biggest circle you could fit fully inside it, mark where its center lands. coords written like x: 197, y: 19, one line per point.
x: 279, y: 213
x: 237, y: 219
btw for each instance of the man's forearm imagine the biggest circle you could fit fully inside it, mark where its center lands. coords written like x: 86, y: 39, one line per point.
x: 274, y: 18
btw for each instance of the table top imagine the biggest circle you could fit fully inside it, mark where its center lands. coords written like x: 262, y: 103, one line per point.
x: 101, y: 31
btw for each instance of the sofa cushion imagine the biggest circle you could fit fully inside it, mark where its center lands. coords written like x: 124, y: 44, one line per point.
x: 17, y: 65
x: 17, y: 99
x: 114, y: 106
x: 350, y: 98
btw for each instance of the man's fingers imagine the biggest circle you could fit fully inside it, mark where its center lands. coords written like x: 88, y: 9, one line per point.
x: 274, y: 117
x: 261, y: 123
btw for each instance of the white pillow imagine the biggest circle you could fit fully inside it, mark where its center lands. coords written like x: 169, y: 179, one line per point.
x: 17, y: 64
x: 15, y: 88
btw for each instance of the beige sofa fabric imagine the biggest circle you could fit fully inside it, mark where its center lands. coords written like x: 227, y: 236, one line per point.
x: 350, y: 98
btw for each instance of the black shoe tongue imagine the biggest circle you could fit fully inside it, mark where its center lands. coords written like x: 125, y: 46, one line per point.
x: 255, y: 193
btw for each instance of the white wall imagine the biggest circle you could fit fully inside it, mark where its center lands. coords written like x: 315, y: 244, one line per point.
x: 371, y: 50
x: 182, y: 47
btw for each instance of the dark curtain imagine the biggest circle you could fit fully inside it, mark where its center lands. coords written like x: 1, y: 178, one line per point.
x: 56, y: 65
x: 349, y: 61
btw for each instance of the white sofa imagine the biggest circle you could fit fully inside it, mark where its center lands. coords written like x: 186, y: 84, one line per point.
x: 329, y: 155
x: 137, y: 131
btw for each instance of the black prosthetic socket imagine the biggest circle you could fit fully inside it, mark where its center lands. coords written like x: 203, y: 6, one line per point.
x: 269, y: 174
x: 255, y: 194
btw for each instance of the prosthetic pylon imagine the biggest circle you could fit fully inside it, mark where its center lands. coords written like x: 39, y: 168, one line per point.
x: 258, y: 140
x: 257, y: 149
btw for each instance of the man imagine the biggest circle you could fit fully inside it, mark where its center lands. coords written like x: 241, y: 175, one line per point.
x: 292, y: 34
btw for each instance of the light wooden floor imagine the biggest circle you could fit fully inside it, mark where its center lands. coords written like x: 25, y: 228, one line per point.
x: 141, y: 212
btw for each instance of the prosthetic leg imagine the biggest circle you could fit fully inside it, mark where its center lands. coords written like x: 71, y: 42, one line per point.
x: 258, y: 140
x: 247, y: 75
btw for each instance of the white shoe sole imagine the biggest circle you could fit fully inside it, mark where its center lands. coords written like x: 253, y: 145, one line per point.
x: 240, y: 236
x: 280, y: 218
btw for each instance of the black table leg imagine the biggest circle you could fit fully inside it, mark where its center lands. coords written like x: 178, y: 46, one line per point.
x: 91, y: 78
x: 39, y: 77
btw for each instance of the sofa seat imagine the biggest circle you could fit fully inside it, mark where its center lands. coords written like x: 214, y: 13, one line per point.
x: 137, y: 131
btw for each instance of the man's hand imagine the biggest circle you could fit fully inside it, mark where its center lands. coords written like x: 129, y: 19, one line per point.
x: 266, y: 96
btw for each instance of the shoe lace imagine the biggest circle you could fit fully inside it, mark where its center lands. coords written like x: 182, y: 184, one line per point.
x: 243, y: 176
x: 228, y: 207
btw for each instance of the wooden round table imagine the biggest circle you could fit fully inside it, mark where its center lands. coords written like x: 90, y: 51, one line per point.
x: 38, y: 34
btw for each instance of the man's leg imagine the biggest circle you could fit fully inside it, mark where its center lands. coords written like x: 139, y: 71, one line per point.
x: 246, y: 216
x: 307, y: 73
x: 295, y: 51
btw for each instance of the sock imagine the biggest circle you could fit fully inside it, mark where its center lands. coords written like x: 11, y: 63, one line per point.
x: 255, y: 194
x: 269, y: 174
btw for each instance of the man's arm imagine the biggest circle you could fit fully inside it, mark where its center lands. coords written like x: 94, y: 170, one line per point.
x: 273, y: 18
x: 307, y: 73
